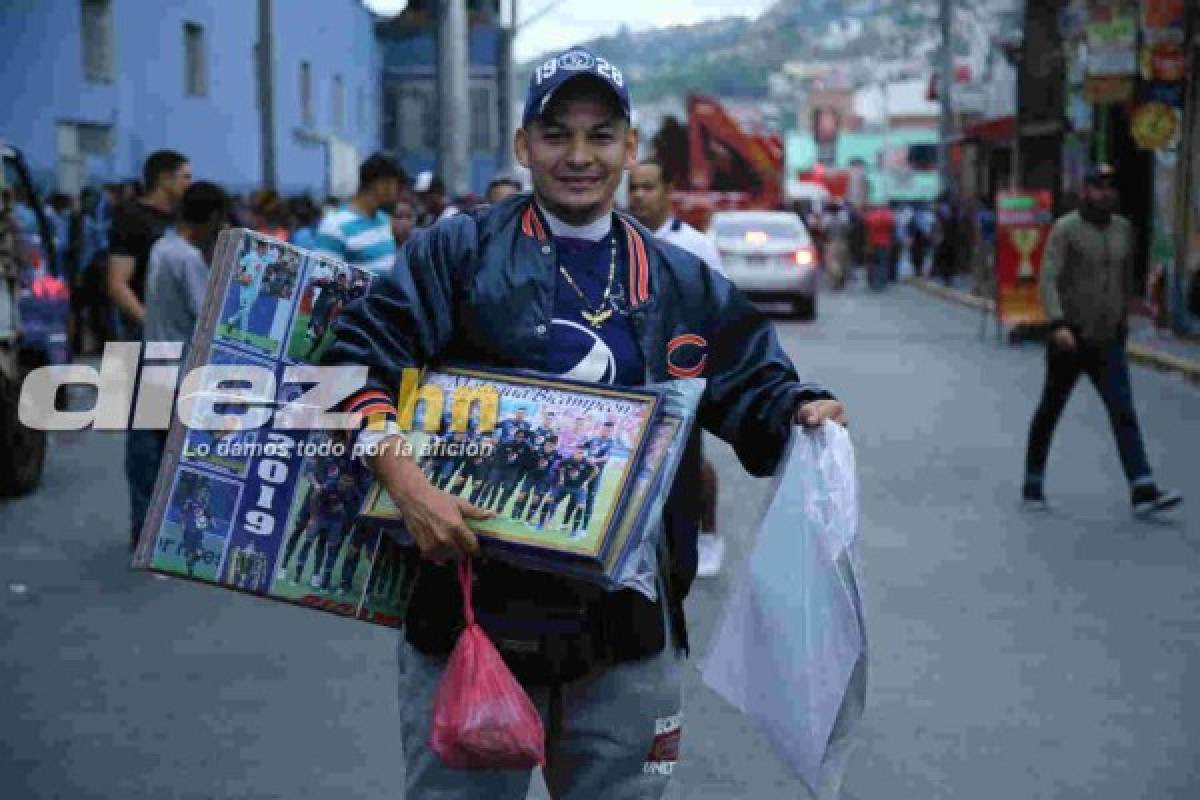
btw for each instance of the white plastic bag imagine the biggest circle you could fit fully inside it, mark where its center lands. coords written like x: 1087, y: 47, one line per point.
x: 791, y: 647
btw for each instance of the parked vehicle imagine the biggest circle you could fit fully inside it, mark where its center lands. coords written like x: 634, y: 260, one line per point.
x: 34, y: 315
x: 769, y: 255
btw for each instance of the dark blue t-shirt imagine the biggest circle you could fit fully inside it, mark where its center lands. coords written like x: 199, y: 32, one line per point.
x: 610, y: 353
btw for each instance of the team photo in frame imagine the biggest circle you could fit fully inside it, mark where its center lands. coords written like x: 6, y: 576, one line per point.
x: 554, y: 459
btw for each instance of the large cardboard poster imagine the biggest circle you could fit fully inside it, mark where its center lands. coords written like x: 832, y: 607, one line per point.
x: 267, y: 509
x: 250, y: 498
x: 1023, y: 222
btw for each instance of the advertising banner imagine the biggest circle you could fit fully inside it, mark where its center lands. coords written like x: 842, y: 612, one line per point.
x: 1023, y: 221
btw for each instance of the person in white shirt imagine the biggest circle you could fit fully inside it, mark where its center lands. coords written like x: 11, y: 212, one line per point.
x: 650, y: 203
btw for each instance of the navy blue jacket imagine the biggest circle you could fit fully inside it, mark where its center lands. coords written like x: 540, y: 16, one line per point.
x: 478, y: 288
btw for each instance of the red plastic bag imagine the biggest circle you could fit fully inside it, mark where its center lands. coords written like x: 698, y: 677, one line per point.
x: 482, y: 718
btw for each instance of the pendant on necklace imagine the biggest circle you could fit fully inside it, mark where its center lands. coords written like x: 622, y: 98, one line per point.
x: 598, y: 318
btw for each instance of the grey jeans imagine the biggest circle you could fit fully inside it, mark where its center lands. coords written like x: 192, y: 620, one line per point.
x: 613, y: 734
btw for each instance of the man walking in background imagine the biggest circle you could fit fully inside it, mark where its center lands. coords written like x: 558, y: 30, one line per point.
x: 136, y: 226
x: 650, y: 204
x: 1087, y: 282
x: 360, y: 232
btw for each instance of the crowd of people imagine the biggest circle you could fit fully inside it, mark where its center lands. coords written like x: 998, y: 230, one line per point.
x: 137, y: 255
x: 103, y: 235
x: 939, y: 240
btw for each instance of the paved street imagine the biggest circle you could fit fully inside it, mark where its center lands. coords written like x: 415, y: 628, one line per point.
x: 1013, y: 656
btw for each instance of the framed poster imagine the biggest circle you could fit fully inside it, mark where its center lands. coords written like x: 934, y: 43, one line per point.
x: 555, y: 459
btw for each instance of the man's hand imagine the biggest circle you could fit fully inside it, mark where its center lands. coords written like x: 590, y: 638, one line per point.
x: 436, y: 520
x: 1063, y: 339
x: 811, y: 415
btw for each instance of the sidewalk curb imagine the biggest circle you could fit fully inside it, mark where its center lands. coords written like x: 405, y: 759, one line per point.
x: 1146, y: 356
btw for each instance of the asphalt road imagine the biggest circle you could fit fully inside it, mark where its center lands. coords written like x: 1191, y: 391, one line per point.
x: 1013, y: 656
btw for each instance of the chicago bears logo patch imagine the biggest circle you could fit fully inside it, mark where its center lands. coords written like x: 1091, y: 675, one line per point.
x: 687, y: 356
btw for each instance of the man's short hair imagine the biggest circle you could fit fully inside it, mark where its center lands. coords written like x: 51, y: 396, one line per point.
x: 158, y: 164
x: 202, y: 201
x: 380, y: 168
x: 654, y: 162
x: 503, y: 180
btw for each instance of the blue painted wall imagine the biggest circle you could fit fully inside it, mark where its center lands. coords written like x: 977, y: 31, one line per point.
x: 146, y: 104
x: 340, y: 40
x: 410, y: 53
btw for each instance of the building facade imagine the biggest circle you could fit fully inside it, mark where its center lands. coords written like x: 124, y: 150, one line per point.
x: 105, y: 82
x: 409, y: 51
x: 1123, y: 92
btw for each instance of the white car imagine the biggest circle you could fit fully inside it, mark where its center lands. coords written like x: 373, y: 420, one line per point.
x: 769, y: 255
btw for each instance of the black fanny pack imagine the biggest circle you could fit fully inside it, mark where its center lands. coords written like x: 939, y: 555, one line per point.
x: 548, y: 629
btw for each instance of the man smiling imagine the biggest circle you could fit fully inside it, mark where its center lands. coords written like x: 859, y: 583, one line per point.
x: 560, y: 283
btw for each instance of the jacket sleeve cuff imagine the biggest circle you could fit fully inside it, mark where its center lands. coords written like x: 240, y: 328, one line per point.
x: 809, y: 392
x: 372, y: 404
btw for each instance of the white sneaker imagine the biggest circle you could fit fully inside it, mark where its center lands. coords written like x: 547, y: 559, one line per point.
x: 711, y: 553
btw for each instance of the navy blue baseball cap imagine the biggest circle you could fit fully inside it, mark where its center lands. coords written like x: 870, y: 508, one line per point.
x: 549, y: 76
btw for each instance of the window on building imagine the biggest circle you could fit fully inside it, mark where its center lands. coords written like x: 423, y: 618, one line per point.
x: 95, y: 140
x: 306, y: 96
x: 97, y: 35
x: 195, y: 62
x: 339, y: 104
x: 483, y: 117
x: 413, y: 123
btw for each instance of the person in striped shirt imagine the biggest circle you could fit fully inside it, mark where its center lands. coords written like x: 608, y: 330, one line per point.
x: 360, y: 232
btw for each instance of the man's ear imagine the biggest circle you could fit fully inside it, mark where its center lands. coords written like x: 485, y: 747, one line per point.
x: 521, y: 147
x: 631, y: 148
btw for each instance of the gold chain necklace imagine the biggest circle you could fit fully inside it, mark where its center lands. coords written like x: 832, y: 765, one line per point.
x: 603, y: 311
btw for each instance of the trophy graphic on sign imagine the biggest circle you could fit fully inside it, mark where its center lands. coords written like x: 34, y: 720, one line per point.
x: 1025, y: 240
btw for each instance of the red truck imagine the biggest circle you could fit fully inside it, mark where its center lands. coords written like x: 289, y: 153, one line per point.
x: 715, y: 165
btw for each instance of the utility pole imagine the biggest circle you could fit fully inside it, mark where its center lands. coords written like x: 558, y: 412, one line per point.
x: 266, y: 94
x: 506, y: 82
x: 946, y: 84
x: 454, y: 111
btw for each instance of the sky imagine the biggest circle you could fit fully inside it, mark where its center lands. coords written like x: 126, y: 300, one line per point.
x: 574, y: 21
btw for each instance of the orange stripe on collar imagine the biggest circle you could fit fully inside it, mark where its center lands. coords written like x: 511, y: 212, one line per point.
x: 531, y: 225
x: 639, y: 270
